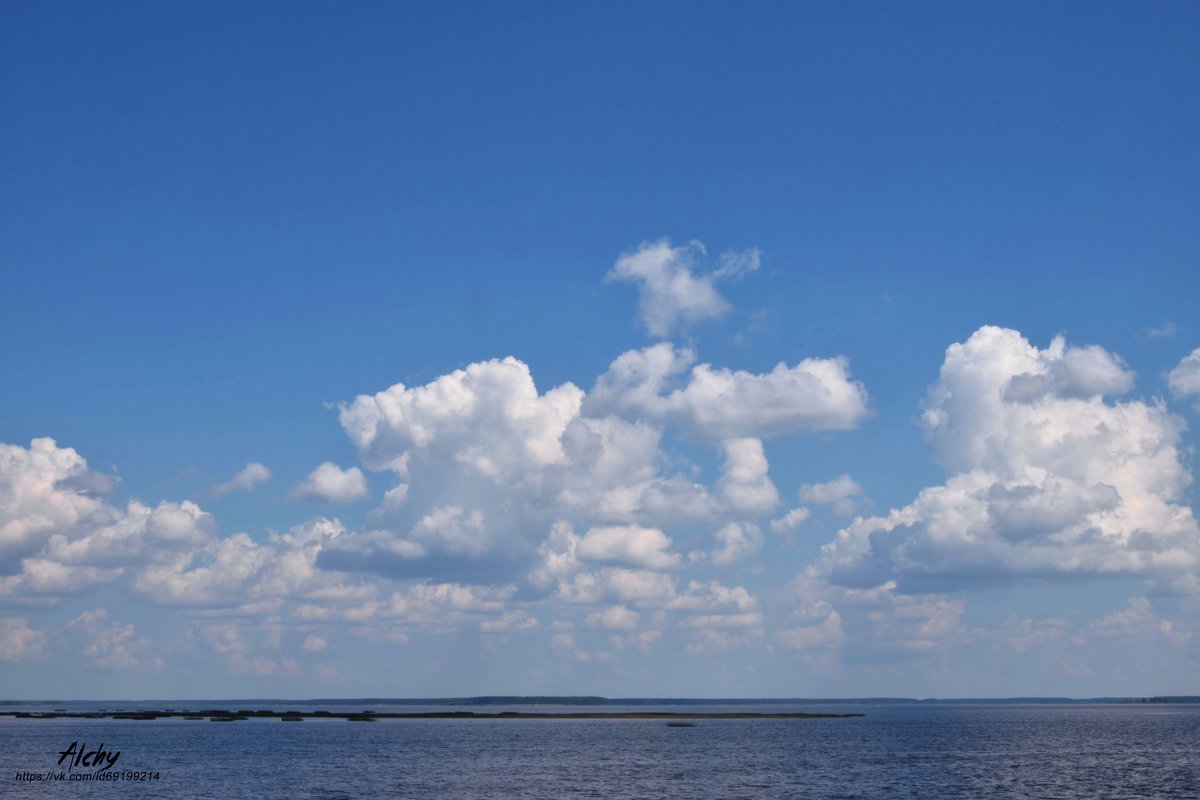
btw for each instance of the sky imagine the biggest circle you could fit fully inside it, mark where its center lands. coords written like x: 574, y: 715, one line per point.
x: 672, y: 349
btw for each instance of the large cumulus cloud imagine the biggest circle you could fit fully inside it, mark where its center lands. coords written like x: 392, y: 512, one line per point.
x: 1047, y: 474
x: 43, y: 491
x: 486, y: 464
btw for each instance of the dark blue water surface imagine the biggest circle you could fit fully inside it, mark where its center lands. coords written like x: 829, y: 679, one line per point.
x: 1101, y: 751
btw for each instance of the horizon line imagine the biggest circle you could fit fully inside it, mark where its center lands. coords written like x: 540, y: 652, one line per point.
x: 602, y: 700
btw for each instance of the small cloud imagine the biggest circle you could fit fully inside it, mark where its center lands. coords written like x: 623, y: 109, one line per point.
x: 331, y: 484
x: 565, y: 646
x: 735, y: 266
x: 1165, y: 331
x: 629, y: 546
x: 250, y: 476
x: 737, y: 540
x: 509, y: 621
x: 824, y: 633
x: 613, y: 618
x: 672, y: 294
x: 636, y: 641
x: 1184, y: 380
x: 19, y: 642
x: 113, y: 645
x: 839, y: 493
x: 790, y: 521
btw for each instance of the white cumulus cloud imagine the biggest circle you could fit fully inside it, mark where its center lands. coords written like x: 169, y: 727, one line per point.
x: 112, y: 645
x: 628, y: 546
x: 489, y: 417
x: 246, y: 479
x: 821, y: 627
x: 140, y: 534
x: 613, y: 618
x: 331, y: 484
x: 43, y: 491
x: 672, y: 293
x: 736, y: 541
x: 1184, y: 380
x: 1045, y: 476
x: 720, y: 403
x: 745, y: 485
x: 503, y: 500
x: 840, y: 494
x: 19, y: 642
x: 790, y: 521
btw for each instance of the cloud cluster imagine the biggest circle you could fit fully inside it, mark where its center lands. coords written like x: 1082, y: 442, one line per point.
x: 238, y: 572
x: 58, y: 536
x: 485, y: 462
x: 63, y: 539
x: 633, y: 512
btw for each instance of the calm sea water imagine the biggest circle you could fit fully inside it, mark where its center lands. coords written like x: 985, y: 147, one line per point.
x: 894, y: 752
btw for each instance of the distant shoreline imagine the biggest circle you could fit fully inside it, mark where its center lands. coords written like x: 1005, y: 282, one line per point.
x: 591, y: 701
x: 224, y: 715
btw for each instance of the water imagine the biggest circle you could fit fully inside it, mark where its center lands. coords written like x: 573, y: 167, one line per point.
x: 1102, y: 751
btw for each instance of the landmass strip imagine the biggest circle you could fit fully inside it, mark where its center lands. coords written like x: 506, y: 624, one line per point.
x: 224, y: 715
x: 593, y: 700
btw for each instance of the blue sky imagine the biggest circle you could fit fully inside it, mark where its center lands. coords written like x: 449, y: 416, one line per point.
x: 225, y: 232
